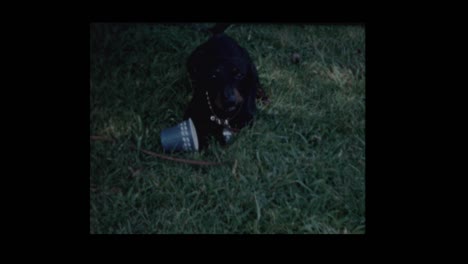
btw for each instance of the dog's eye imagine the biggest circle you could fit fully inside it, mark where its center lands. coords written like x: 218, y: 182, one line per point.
x: 213, y: 76
x: 237, y: 75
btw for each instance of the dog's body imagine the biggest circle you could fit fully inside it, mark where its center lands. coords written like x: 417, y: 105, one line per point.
x: 225, y: 84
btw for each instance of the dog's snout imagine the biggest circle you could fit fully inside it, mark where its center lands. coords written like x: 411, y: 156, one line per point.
x: 230, y: 96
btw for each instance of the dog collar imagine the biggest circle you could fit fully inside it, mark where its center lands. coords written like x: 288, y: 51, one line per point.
x: 214, y: 118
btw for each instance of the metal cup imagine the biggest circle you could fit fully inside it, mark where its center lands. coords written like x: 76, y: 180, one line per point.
x: 182, y: 137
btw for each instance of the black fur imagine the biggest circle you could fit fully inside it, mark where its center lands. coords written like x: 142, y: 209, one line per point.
x: 224, y: 69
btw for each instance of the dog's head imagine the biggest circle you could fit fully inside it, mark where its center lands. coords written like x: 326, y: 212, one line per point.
x: 224, y: 70
x: 224, y: 84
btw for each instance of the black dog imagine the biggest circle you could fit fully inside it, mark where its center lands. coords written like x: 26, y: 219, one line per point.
x: 225, y: 84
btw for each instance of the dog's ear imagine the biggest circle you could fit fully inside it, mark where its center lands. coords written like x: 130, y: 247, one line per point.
x: 252, y: 84
x: 194, y: 66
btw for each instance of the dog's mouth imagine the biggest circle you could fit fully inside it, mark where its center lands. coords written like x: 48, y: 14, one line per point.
x: 232, y: 108
x: 229, y: 106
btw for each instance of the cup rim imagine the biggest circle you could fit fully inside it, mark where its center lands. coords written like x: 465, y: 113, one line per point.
x: 194, y: 133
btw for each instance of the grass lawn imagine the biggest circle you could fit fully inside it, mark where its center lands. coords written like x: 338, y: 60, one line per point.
x: 299, y: 169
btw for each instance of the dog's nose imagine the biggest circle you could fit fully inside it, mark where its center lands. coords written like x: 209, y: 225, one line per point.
x: 229, y: 97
